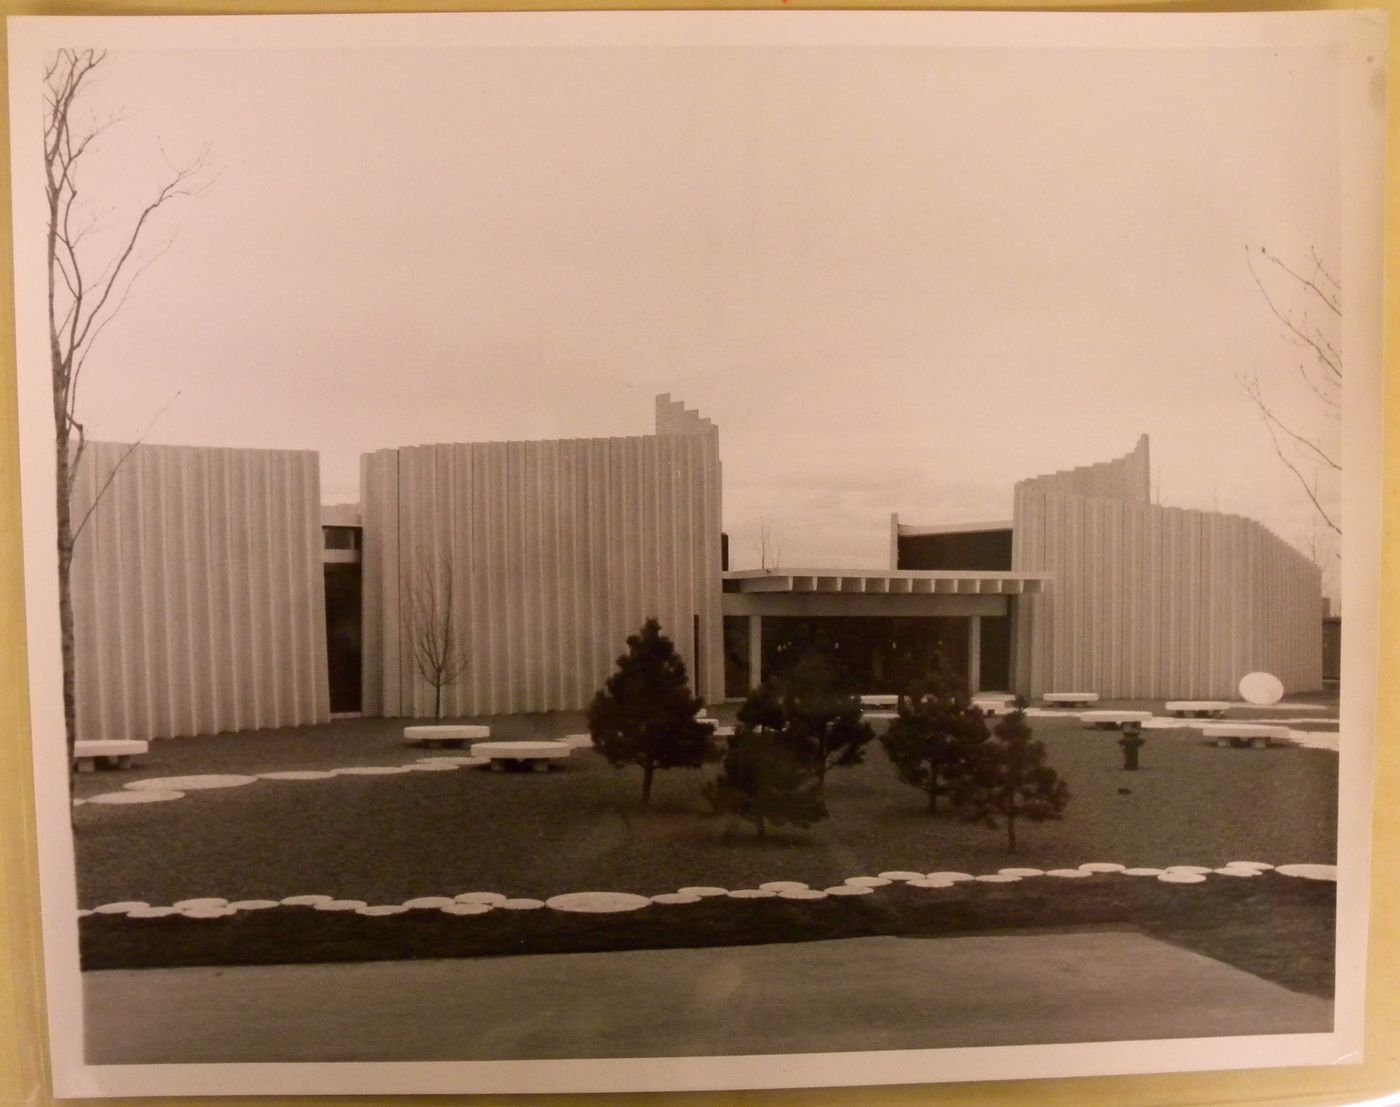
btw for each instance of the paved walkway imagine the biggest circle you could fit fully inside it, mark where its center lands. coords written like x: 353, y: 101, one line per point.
x: 852, y: 994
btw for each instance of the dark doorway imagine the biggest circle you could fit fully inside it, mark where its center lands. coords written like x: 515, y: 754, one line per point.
x: 737, y: 678
x: 996, y: 653
x: 343, y: 635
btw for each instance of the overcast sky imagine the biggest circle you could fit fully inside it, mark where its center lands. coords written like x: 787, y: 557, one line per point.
x: 898, y: 279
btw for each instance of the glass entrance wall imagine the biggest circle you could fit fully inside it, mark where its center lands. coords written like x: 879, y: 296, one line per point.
x: 879, y: 655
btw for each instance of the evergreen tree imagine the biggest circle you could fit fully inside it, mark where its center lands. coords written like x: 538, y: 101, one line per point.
x: 645, y: 713
x: 817, y: 701
x: 769, y: 776
x: 1010, y: 776
x: 935, y: 740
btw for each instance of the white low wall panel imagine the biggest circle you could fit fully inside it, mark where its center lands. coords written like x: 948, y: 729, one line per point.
x: 198, y: 596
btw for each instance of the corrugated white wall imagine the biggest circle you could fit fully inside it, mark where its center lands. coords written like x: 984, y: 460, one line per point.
x: 556, y: 552
x: 198, y: 595
x: 1159, y: 602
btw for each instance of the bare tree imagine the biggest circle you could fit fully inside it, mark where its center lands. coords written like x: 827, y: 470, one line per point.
x: 1309, y: 315
x: 770, y: 549
x: 86, y: 290
x: 434, y: 632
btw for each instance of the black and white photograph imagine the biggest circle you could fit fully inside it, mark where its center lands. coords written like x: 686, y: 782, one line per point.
x: 653, y: 551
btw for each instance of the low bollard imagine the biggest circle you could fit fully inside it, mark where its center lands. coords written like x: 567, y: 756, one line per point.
x: 1132, y: 741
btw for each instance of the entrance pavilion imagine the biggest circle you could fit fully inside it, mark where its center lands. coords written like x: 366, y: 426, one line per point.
x: 886, y: 628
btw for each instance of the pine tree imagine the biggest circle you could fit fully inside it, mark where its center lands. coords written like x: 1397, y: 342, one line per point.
x: 769, y: 776
x: 935, y: 740
x: 816, y: 700
x: 645, y: 713
x: 1010, y: 776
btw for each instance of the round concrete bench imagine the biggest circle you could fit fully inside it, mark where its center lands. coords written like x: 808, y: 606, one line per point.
x: 109, y: 753
x: 1243, y: 734
x: 444, y: 735
x: 1198, y: 709
x: 537, y: 755
x: 1114, y: 719
x: 1070, y: 699
x: 879, y: 701
x: 993, y: 705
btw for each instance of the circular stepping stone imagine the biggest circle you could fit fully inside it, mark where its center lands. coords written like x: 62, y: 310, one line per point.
x: 124, y: 798
x: 675, y: 897
x: 208, y: 912
x: 298, y: 774
x: 1067, y: 874
x: 380, y: 910
x: 339, y: 905
x: 121, y: 907
x: 899, y: 874
x: 1260, y: 865
x: 1021, y: 872
x: 998, y: 878
x: 1103, y: 867
x: 79, y: 803
x: 1309, y: 872
x: 490, y: 899
x: 189, y: 783
x: 467, y: 909
x: 776, y: 886
x: 849, y: 890
x: 1227, y: 871
x: 521, y: 904
x: 803, y: 893
x: 1199, y: 870
x: 752, y: 893
x: 702, y: 890
x: 925, y: 882
x: 306, y: 901
x: 151, y: 912
x: 433, y: 767
x: 253, y: 904
x: 373, y: 770
x: 425, y: 902
x: 601, y: 903
x: 949, y: 877
x: 84, y: 912
x: 867, y: 881
x: 1143, y: 872
x: 205, y: 901
x: 1182, y: 878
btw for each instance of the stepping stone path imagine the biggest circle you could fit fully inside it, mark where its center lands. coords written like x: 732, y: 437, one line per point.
x: 490, y: 899
x: 189, y: 783
x: 849, y: 890
x: 305, y: 901
x: 1143, y: 872
x: 899, y: 874
x: 208, y: 912
x: 804, y: 893
x: 386, y: 909
x: 703, y: 890
x: 925, y: 882
x: 520, y: 904
x: 423, y: 903
x: 207, y: 901
x: 776, y: 886
x: 433, y: 767
x: 124, y: 799
x: 1102, y: 867
x: 121, y: 907
x: 868, y: 881
x: 1181, y: 878
x: 1309, y: 872
x: 151, y: 912
x: 948, y: 877
x: 599, y: 902
x: 1022, y: 872
x: 997, y: 878
x: 752, y: 893
x: 373, y: 770
x: 339, y: 905
x: 676, y: 897
x: 1068, y: 874
x: 253, y: 904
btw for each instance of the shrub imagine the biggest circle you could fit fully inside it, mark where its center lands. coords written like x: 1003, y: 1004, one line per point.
x: 814, y: 700
x: 645, y: 713
x: 769, y: 776
x: 1009, y: 776
x: 935, y: 740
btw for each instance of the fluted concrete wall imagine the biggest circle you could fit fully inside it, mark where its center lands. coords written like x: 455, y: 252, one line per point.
x: 198, y: 596
x: 555, y: 551
x: 1124, y: 478
x: 1159, y: 602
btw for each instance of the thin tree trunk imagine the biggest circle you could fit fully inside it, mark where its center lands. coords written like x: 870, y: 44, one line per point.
x: 1011, y: 832
x: 647, y: 771
x: 762, y: 827
x: 933, y: 795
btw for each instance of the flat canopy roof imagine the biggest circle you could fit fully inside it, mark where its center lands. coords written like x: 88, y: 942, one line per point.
x: 905, y: 581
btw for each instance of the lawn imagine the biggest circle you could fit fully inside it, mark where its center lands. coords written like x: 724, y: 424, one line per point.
x: 391, y: 838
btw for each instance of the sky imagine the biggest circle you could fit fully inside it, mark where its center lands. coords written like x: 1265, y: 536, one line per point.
x: 898, y: 279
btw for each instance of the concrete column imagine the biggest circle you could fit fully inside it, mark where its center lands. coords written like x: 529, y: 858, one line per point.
x: 755, y: 650
x: 974, y: 653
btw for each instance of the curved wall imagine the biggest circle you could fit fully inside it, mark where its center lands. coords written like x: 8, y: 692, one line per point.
x: 1156, y: 602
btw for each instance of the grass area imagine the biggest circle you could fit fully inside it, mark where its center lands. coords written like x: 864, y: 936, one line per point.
x: 387, y: 839
x: 390, y: 838
x: 1223, y: 919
